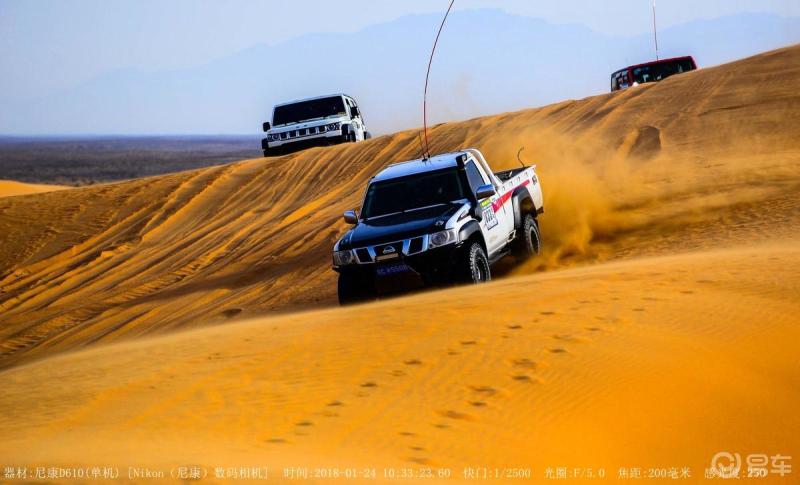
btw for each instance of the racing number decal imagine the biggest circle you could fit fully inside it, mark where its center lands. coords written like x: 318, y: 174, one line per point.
x: 488, y: 214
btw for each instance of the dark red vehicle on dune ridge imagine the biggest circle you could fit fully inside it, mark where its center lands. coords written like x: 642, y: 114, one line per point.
x: 651, y: 72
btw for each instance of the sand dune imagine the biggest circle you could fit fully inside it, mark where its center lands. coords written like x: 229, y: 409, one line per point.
x: 703, y: 160
x: 656, y: 362
x: 11, y: 187
x: 659, y: 327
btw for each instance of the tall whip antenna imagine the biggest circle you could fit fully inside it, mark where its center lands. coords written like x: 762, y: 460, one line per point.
x: 655, y: 31
x: 427, y: 153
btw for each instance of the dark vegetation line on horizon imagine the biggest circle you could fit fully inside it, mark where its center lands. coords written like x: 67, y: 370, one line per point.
x: 86, y: 160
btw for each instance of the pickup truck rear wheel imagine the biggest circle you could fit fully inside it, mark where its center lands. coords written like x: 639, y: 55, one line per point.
x: 355, y: 288
x: 476, y: 265
x: 528, y: 242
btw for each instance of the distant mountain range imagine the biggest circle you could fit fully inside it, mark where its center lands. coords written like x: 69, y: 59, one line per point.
x: 487, y: 61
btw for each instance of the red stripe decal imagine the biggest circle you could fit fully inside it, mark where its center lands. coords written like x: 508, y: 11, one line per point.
x: 498, y: 203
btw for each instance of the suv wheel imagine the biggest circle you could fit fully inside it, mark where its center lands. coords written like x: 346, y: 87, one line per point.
x: 528, y: 242
x: 476, y: 265
x: 355, y: 288
x: 348, y: 135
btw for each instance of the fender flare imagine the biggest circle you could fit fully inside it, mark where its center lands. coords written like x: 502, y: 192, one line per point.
x: 523, y: 204
x: 469, y: 230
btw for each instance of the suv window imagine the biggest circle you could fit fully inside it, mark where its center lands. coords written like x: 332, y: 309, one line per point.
x: 474, y: 176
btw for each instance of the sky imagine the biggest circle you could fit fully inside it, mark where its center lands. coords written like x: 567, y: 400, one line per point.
x: 47, y: 46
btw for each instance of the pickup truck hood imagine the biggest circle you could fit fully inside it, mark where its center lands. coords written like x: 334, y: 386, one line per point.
x: 400, y: 226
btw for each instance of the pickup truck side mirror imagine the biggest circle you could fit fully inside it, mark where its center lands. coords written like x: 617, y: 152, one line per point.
x: 485, y: 191
x: 267, y: 126
x: 350, y: 217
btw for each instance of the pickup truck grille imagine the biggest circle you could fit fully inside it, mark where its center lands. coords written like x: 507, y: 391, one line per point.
x: 363, y: 255
x: 378, y: 252
x: 415, y: 246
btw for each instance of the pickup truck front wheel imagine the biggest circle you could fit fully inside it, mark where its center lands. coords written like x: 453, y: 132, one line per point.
x: 476, y: 265
x: 528, y: 242
x: 355, y: 288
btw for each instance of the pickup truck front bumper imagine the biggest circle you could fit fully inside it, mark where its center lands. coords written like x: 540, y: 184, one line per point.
x: 434, y: 267
x: 292, y: 144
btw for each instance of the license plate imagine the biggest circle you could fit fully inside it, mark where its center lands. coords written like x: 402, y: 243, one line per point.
x: 391, y: 269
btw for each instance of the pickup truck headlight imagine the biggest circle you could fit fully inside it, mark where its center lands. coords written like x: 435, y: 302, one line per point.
x: 274, y: 137
x: 343, y: 258
x: 442, y: 238
x: 334, y: 126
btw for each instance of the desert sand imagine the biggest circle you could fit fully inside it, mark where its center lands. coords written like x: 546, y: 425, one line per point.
x: 12, y: 187
x: 659, y: 326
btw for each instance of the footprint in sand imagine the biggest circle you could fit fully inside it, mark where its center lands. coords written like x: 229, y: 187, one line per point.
x: 521, y: 377
x: 335, y: 403
x: 514, y: 327
x: 369, y: 384
x: 638, y: 309
x: 419, y: 460
x: 412, y: 362
x: 484, y: 390
x: 469, y: 342
x: 304, y: 423
x: 558, y: 350
x: 569, y: 338
x: 407, y: 433
x: 276, y: 440
x: 231, y: 312
x: 526, y: 363
x: 452, y: 414
x: 547, y: 313
x: 397, y: 373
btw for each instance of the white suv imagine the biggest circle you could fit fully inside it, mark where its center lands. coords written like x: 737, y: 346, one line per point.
x: 323, y: 120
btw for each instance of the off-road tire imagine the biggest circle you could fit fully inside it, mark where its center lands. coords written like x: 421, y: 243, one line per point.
x: 475, y: 265
x: 355, y: 288
x: 348, y: 135
x: 528, y: 241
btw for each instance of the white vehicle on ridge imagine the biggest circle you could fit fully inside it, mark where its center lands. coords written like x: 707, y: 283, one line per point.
x: 320, y: 121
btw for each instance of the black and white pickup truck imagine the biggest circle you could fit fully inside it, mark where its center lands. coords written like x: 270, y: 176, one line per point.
x: 437, y: 221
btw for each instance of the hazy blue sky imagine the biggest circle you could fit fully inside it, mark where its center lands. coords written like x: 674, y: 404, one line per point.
x: 51, y: 48
x: 47, y: 44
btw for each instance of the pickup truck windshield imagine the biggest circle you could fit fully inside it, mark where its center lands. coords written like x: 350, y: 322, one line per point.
x: 308, y: 110
x: 412, y: 192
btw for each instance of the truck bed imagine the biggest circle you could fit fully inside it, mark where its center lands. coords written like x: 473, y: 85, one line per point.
x: 509, y: 174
